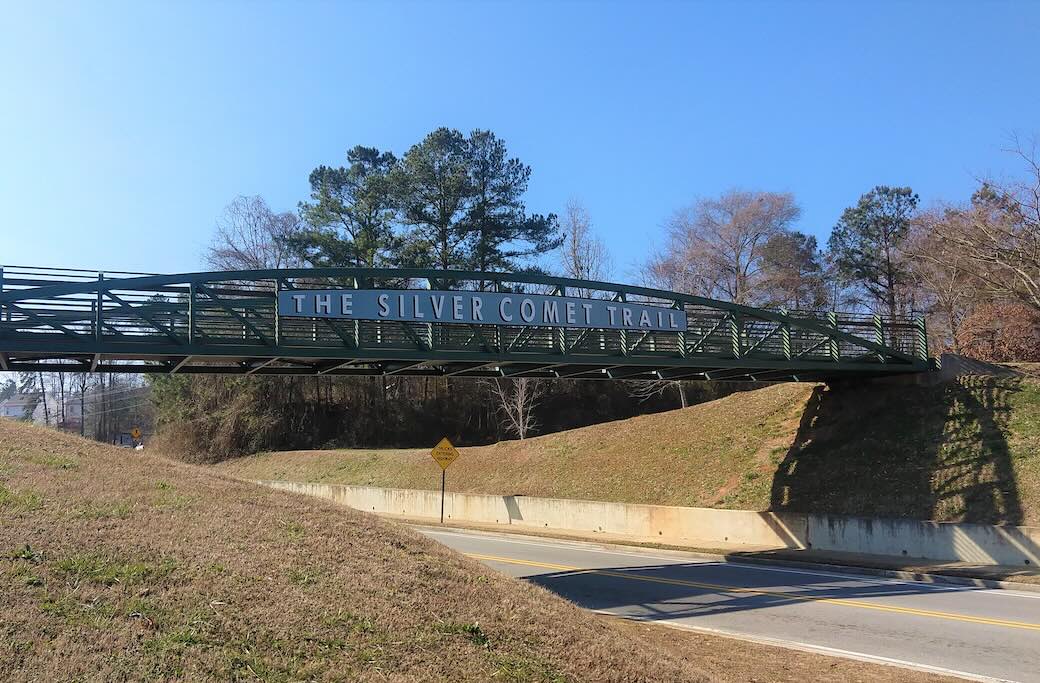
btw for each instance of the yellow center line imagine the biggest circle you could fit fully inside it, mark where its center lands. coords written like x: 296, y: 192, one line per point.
x: 845, y: 602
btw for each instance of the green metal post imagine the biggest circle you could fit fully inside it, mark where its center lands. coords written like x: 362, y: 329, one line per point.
x: 879, y: 335
x: 191, y: 313
x: 922, y: 339
x: 98, y: 310
x: 785, y: 337
x: 277, y: 317
x: 835, y: 350
x: 735, y: 329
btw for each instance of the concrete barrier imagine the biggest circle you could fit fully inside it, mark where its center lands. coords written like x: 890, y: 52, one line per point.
x: 660, y: 523
x: 943, y: 541
x: 704, y: 527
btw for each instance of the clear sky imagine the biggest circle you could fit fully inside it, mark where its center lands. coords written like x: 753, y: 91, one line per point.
x: 125, y: 128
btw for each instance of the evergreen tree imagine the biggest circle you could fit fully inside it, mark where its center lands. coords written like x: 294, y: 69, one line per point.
x: 499, y: 231
x: 352, y: 213
x: 435, y: 194
x: 867, y: 244
x: 793, y: 272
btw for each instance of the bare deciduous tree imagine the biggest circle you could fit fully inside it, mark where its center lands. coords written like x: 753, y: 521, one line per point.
x: 517, y: 400
x: 646, y: 389
x: 1001, y: 332
x: 715, y: 246
x: 250, y: 235
x: 946, y: 290
x: 996, y: 240
x: 583, y: 255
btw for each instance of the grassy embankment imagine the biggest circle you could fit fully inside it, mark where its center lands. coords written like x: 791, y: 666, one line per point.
x: 115, y: 565
x: 964, y: 451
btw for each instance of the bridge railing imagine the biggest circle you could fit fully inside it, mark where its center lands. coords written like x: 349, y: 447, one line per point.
x: 200, y: 313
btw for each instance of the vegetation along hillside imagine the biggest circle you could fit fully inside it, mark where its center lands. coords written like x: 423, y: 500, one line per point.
x: 119, y: 566
x: 116, y: 565
x: 964, y: 450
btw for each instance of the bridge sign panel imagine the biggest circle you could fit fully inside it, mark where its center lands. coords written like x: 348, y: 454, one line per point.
x: 486, y: 308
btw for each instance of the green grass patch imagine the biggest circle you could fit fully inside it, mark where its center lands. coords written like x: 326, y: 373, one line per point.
x: 26, y: 553
x: 350, y: 622
x: 96, y: 613
x: 292, y: 529
x: 108, y: 571
x: 519, y: 669
x: 19, y: 501
x: 303, y: 577
x: 53, y: 460
x: 109, y: 510
x: 472, y: 632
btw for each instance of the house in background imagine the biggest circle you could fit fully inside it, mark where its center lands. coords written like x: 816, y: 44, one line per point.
x: 19, y: 406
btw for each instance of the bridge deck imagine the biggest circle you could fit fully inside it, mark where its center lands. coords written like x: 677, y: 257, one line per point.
x: 230, y: 323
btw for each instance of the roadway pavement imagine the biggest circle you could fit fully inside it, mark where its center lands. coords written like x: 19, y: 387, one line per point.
x: 986, y: 634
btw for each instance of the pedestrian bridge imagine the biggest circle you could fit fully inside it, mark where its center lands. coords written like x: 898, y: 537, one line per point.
x: 357, y: 321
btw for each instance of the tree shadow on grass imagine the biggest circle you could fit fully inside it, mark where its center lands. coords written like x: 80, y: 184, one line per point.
x: 938, y: 452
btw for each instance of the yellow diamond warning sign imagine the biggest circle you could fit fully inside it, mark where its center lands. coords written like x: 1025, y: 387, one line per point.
x: 444, y: 453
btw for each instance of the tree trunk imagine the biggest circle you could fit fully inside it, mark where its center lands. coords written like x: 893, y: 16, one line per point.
x: 43, y: 392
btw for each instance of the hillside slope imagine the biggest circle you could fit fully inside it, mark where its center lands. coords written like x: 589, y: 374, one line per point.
x: 717, y: 453
x: 119, y: 566
x: 967, y: 450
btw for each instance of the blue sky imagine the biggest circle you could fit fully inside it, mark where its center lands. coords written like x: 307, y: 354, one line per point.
x: 125, y: 128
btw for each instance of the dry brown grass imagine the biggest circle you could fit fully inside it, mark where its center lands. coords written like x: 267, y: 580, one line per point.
x: 116, y: 565
x: 967, y: 450
x: 120, y: 566
x: 721, y: 454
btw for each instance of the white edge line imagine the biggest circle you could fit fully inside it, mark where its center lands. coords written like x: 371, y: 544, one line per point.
x: 705, y: 558
x: 812, y: 649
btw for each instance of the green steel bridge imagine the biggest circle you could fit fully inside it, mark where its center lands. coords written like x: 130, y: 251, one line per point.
x: 60, y: 320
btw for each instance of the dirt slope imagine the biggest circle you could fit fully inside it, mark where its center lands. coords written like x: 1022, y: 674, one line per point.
x: 967, y: 450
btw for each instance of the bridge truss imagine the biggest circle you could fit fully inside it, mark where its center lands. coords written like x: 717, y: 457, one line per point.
x: 55, y: 320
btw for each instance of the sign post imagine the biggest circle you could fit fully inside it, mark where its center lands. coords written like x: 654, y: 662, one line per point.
x: 445, y: 454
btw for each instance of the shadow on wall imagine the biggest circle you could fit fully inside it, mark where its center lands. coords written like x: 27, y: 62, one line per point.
x: 938, y: 452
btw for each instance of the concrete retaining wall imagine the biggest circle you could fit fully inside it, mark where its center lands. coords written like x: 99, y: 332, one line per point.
x: 943, y: 541
x: 661, y: 523
x: 705, y: 527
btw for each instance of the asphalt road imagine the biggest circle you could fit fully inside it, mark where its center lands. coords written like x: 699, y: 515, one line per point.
x: 985, y: 633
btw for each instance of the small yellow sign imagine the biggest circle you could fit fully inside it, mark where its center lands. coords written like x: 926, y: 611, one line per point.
x: 135, y: 432
x: 444, y: 453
